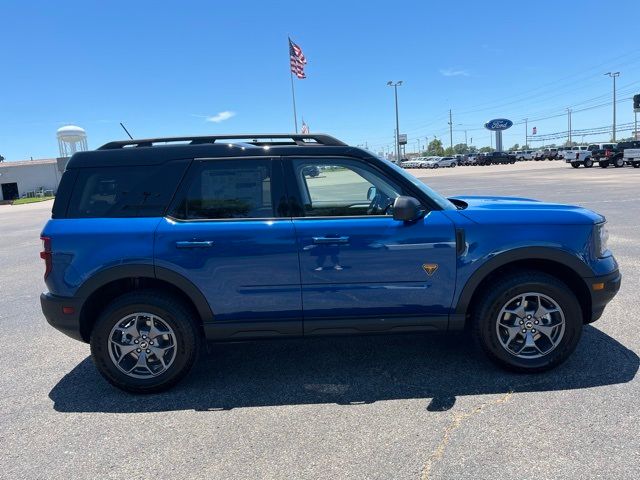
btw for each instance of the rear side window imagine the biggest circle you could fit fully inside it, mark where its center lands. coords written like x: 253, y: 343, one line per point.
x: 225, y: 189
x: 136, y: 191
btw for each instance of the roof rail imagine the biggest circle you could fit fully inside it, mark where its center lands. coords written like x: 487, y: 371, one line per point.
x: 294, y: 139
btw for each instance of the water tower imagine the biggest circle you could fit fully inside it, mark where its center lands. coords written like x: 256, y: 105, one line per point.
x: 71, y: 139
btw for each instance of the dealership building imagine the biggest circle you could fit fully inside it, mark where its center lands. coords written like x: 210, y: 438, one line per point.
x: 32, y: 178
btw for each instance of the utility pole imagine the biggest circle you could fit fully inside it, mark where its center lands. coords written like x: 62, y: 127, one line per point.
x: 569, y: 126
x: 614, y: 75
x: 526, y: 133
x: 465, y: 139
x: 418, y: 141
x: 395, y: 88
x: 450, y: 130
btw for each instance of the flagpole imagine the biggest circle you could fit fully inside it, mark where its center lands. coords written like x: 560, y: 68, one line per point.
x: 293, y: 95
x: 293, y: 90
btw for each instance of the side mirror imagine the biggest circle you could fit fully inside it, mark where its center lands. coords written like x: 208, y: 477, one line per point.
x: 407, y: 209
x: 371, y: 193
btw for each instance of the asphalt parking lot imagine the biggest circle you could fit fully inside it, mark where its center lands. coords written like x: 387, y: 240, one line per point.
x: 402, y: 407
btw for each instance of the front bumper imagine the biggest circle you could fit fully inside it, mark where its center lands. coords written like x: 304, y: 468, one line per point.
x: 63, y: 314
x: 603, y: 289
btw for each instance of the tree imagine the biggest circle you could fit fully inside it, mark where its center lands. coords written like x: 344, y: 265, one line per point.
x: 473, y: 149
x: 486, y: 150
x: 460, y: 148
x: 449, y: 151
x: 515, y: 147
x: 435, y: 147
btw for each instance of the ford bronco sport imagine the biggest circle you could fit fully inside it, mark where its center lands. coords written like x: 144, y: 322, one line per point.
x: 155, y: 245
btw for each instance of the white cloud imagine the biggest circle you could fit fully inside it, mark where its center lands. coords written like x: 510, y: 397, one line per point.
x: 450, y: 72
x: 220, y: 116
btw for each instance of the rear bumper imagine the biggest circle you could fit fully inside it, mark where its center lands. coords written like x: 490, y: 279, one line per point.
x: 604, y: 293
x: 67, y: 323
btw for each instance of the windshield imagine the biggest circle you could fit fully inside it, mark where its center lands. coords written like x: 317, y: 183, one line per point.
x: 441, y: 201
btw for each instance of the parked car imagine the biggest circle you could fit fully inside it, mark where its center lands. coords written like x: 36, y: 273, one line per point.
x: 631, y: 153
x: 157, y: 244
x: 601, y: 153
x: 413, y: 163
x: 579, y: 155
x: 441, y: 162
x: 498, y: 157
x: 471, y: 159
x: 615, y: 156
x: 539, y: 155
x: 527, y: 155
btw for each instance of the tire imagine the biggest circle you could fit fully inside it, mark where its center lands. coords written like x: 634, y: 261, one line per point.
x: 588, y: 163
x: 636, y: 164
x: 491, y: 334
x: 575, y: 164
x: 618, y: 162
x: 488, y: 162
x: 176, y: 331
x: 603, y: 164
x: 453, y: 164
x: 435, y: 165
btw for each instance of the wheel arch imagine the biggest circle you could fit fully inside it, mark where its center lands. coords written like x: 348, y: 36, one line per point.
x: 562, y: 265
x: 106, y: 285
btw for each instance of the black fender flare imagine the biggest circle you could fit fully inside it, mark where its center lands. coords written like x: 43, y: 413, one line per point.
x: 120, y: 272
x: 523, y: 253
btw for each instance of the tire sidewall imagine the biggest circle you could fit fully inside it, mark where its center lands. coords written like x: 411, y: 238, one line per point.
x: 185, y: 336
x: 560, y: 294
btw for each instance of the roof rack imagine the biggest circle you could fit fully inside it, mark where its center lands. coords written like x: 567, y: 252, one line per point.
x: 313, y: 139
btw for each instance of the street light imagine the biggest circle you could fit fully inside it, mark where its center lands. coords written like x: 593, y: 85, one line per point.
x: 395, y: 88
x: 614, y: 75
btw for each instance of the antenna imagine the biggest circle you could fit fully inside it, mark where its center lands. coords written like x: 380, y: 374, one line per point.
x: 125, y: 129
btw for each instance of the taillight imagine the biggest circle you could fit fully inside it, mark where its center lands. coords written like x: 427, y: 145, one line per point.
x: 607, y: 153
x: 578, y: 156
x: 45, y: 254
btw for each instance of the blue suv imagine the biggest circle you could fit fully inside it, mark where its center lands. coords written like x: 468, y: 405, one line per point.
x: 155, y: 245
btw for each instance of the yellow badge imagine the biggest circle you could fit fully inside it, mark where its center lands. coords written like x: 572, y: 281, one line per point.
x: 430, y: 268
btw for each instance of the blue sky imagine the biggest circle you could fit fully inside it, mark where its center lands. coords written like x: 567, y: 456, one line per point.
x: 222, y: 67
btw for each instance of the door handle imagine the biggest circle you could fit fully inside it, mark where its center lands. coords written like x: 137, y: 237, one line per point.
x: 194, y: 244
x: 331, y: 240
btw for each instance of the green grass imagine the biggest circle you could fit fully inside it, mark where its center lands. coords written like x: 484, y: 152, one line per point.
x: 22, y: 201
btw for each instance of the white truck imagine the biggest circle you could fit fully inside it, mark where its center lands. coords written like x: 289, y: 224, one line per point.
x: 632, y: 157
x: 579, y: 155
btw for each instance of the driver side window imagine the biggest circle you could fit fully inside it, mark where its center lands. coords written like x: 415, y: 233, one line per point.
x: 343, y: 188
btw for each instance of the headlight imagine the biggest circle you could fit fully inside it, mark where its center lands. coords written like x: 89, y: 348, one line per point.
x: 602, y: 238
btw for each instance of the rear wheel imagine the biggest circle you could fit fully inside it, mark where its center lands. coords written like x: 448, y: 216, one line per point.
x: 575, y: 164
x: 636, y: 164
x: 618, y: 162
x: 528, y: 322
x: 588, y: 163
x: 603, y: 164
x: 145, y: 342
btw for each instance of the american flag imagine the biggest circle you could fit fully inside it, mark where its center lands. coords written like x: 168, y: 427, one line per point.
x: 298, y: 60
x: 535, y: 130
x: 305, y: 128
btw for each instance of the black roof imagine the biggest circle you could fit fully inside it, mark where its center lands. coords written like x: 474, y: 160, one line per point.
x: 161, y: 150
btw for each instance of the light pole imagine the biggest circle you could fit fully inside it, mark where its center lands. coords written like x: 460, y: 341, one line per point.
x: 450, y: 130
x: 614, y: 75
x: 418, y: 142
x: 395, y: 88
x: 526, y: 133
x: 569, y: 126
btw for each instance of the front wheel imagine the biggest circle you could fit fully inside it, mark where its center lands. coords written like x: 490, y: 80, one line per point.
x: 618, y: 162
x: 588, y: 163
x: 603, y: 164
x: 528, y: 322
x: 575, y: 164
x: 145, y: 341
x: 636, y: 165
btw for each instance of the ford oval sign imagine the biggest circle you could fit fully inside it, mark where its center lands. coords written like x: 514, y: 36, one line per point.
x: 498, y: 124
